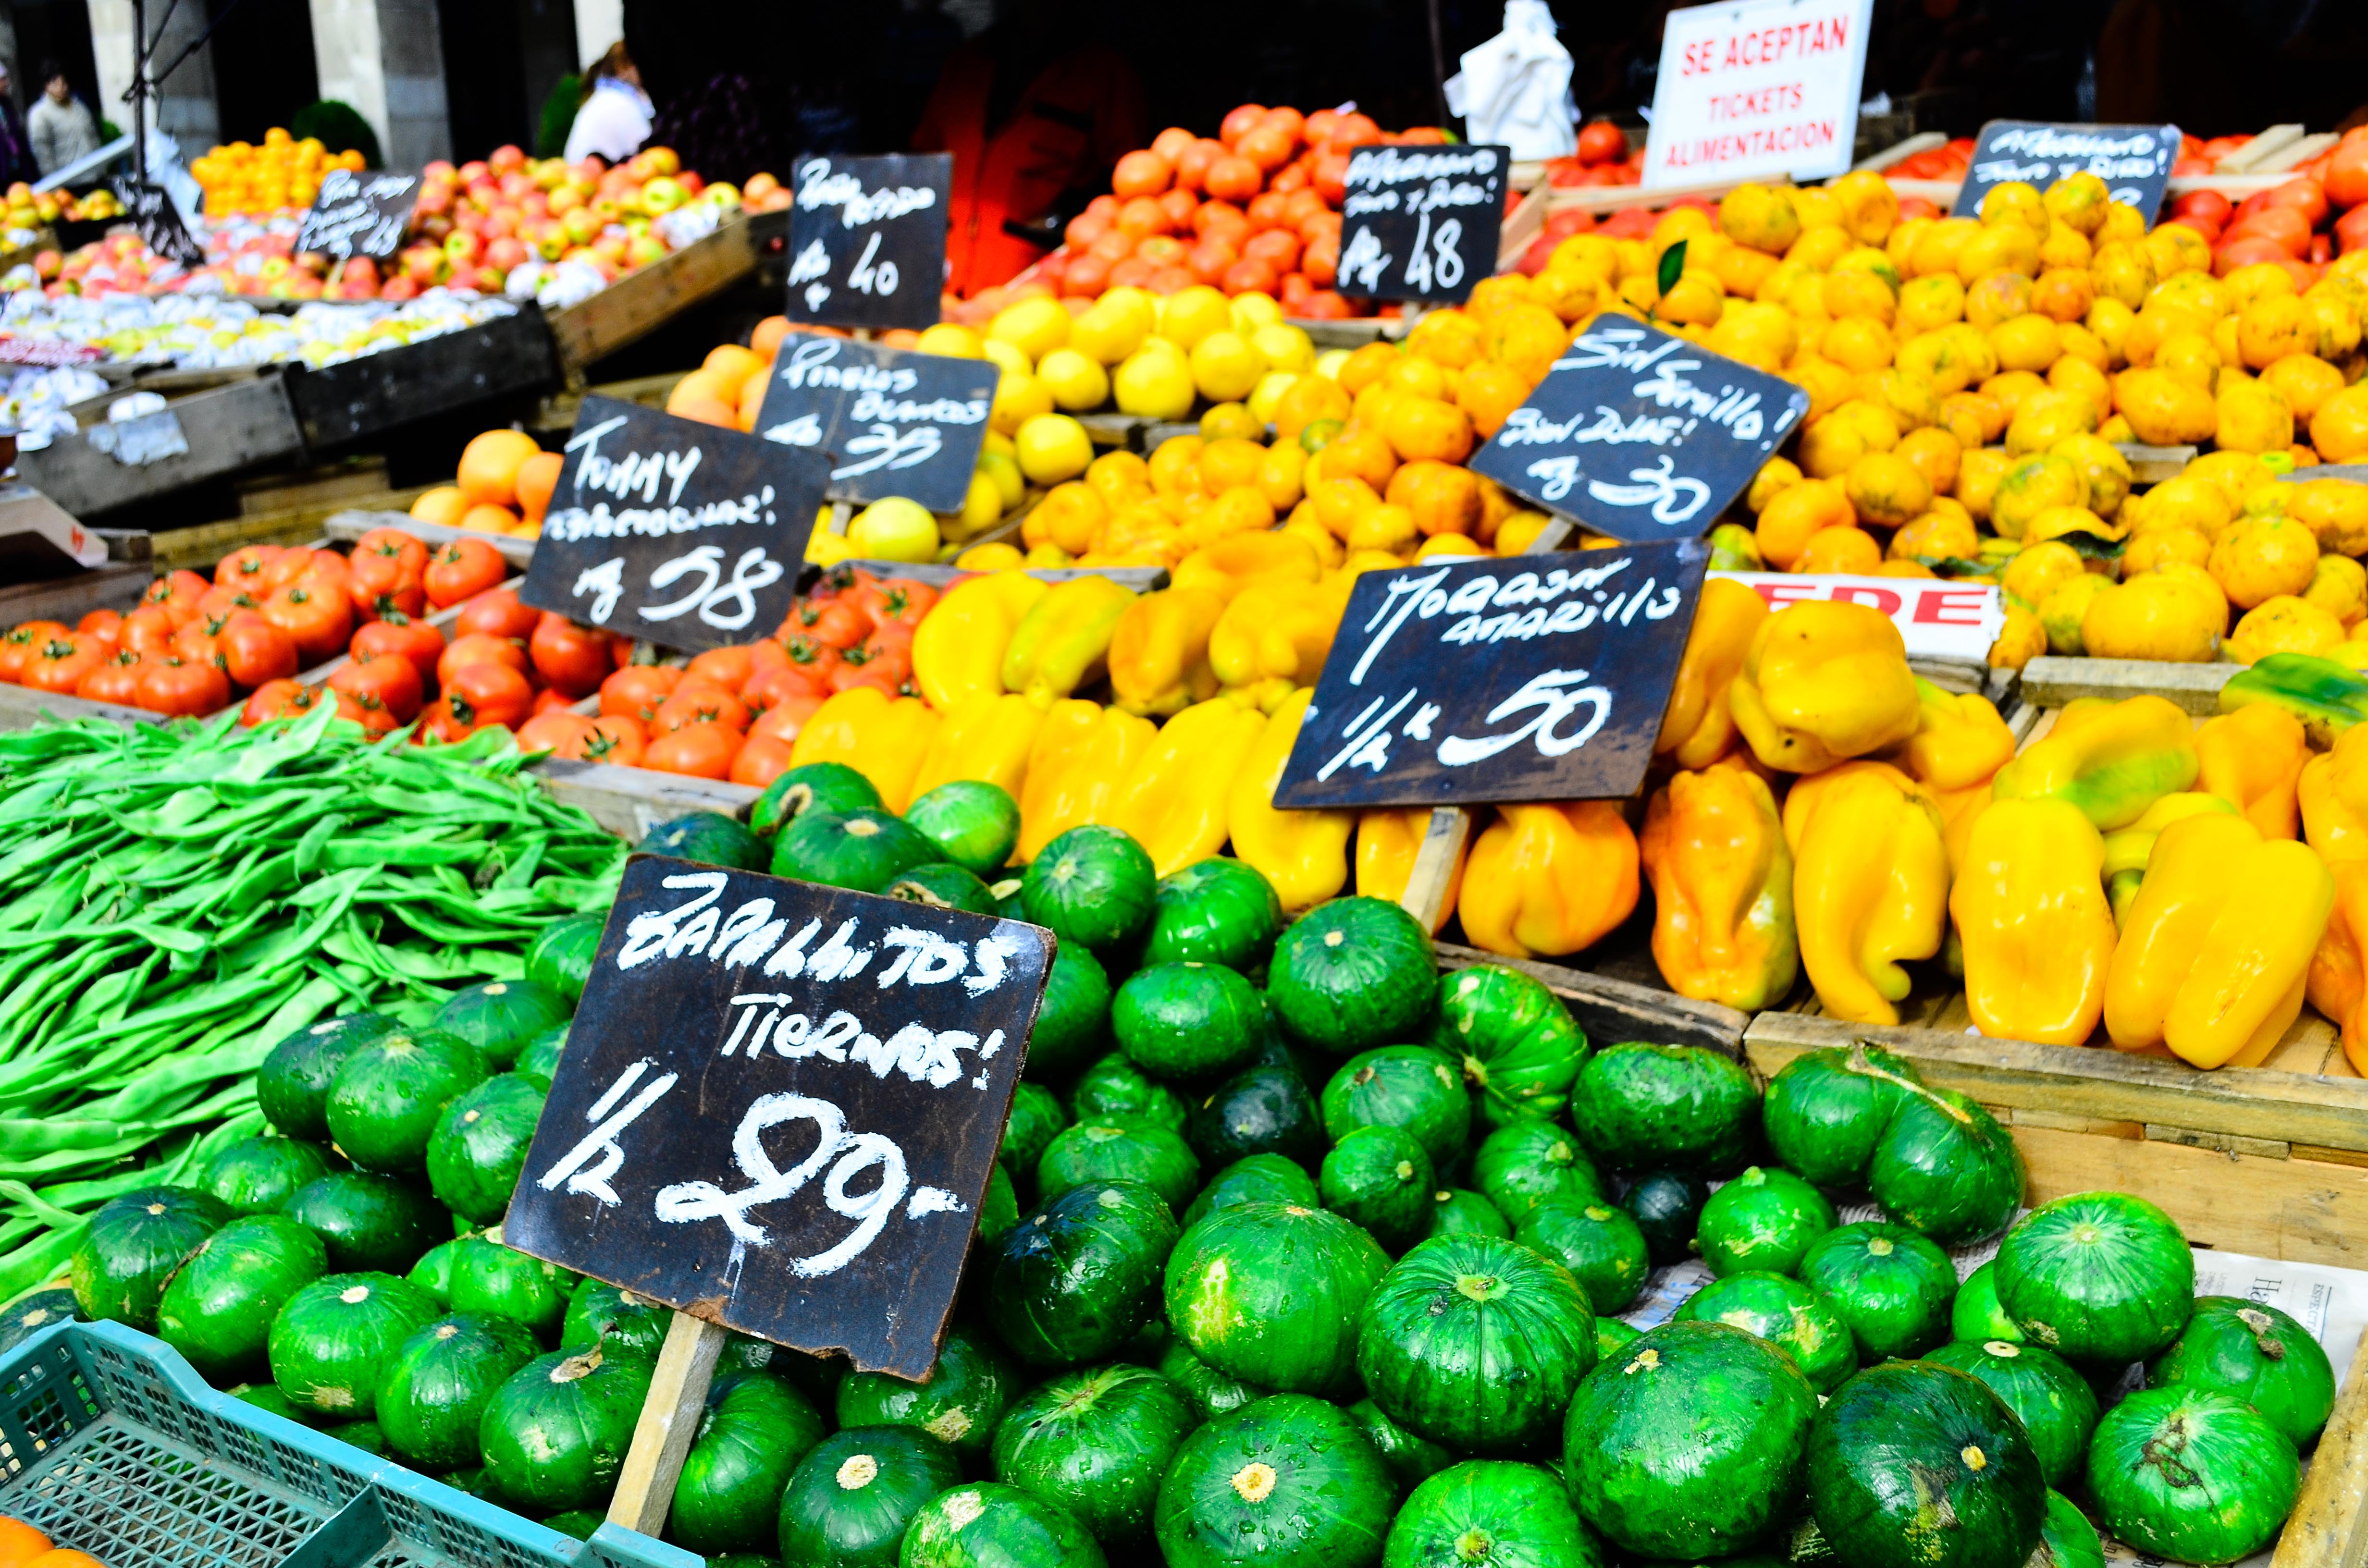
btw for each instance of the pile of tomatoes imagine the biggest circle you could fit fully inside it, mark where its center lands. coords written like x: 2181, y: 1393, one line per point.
x: 734, y: 713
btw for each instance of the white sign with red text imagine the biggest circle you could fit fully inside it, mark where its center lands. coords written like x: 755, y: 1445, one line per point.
x: 1767, y: 89
x: 1939, y: 620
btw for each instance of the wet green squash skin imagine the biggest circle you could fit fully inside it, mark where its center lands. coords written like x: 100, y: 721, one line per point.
x: 989, y: 1525
x: 1977, y: 1494
x: 1825, y: 1112
x: 1411, y: 1458
x: 330, y: 1345
x: 2255, y: 1354
x: 1379, y: 1179
x: 1409, y: 1087
x: 1187, y: 1022
x: 1599, y: 1242
x: 973, y: 823
x: 1256, y: 1178
x: 1215, y: 911
x: 1271, y: 1294
x: 480, y: 1146
x: 850, y: 1500
x: 1975, y: 1313
x: 1667, y: 1205
x: 620, y: 1323
x: 259, y: 1175
x: 292, y: 1088
x: 554, y: 1435
x: 1036, y: 1118
x: 1944, y: 1166
x: 2066, y: 1538
x: 1127, y: 1150
x: 1764, y: 1220
x: 1073, y: 1026
x: 1638, y: 1105
x: 751, y: 1435
x: 218, y: 1309
x: 1787, y: 1315
x: 1097, y: 1441
x: 2053, y: 1403
x: 439, y: 1381
x: 1264, y: 1110
x: 132, y: 1246
x: 972, y: 1384
x: 501, y: 1016
x: 1091, y: 885
x: 1892, y: 1287
x: 1514, y: 1042
x: 1353, y: 974
x: 1081, y: 1274
x: 1114, y: 1089
x: 1524, y: 1162
x: 1456, y: 1211
x: 370, y: 1223
x: 2191, y: 1475
x: 1289, y: 1481
x: 1495, y: 1512
x: 2100, y: 1277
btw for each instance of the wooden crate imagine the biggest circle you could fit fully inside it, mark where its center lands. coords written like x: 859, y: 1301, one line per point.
x: 362, y: 398
x: 226, y: 430
x: 640, y: 303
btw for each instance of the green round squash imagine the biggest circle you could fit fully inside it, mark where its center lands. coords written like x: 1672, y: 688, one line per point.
x: 1114, y: 1089
x: 1890, y: 1285
x: 941, y: 884
x: 1764, y: 1220
x: 29, y: 1314
x: 389, y: 1093
x: 624, y: 1326
x: 1689, y: 1444
x: 989, y: 1525
x: 370, y: 1224
x: 218, y: 1307
x: 480, y: 1144
x: 1454, y: 1212
x: 1598, y: 1242
x: 2052, y: 1402
x: 1271, y: 1293
x: 438, y: 1383
x: 1826, y: 1111
x: 864, y: 848
x: 975, y: 824
x: 971, y: 1385
x: 1612, y: 1336
x: 1289, y: 1481
x: 363, y: 1434
x: 1379, y: 1179
x: 562, y: 954
x: 1075, y: 1279
x: 1211, y: 1392
x: 1119, y: 1151
x: 1476, y: 1343
x: 1036, y: 1119
x: 1944, y: 1166
x: 578, y: 1523
x: 850, y: 1500
x: 814, y: 786
x: 1523, y: 1163
x: 1265, y: 1110
x: 1412, y: 1086
x: 751, y: 1435
x: 1352, y: 974
x: 1411, y: 1458
x: 1916, y: 1465
x: 538, y: 1060
x: 501, y: 1016
x: 2255, y: 1354
x: 554, y: 1435
x: 2066, y: 1538
x: 1214, y: 911
x: 709, y: 838
x: 1492, y: 1512
x: 1638, y: 1105
x: 1095, y: 1441
x: 433, y: 1272
x: 1073, y: 1025
x: 1256, y: 1178
x: 999, y: 1210
x: 267, y: 1397
x: 1519, y: 1051
x: 291, y: 1087
x: 1667, y: 1205
x: 1187, y: 1022
x: 132, y: 1245
x: 1975, y: 1313
x: 1092, y: 885
x: 2098, y: 1277
x: 2191, y: 1475
x: 331, y: 1343
x: 490, y: 1278
x: 1787, y: 1315
x: 259, y: 1175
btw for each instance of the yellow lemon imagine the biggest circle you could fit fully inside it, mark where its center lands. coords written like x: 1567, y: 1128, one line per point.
x: 1155, y: 381
x: 2159, y: 617
x: 2257, y: 559
x: 893, y: 530
x: 1077, y: 381
x: 951, y: 340
x: 2284, y: 624
x: 1051, y: 447
x: 1286, y: 347
x: 1018, y: 397
x: 1035, y: 326
x: 1111, y: 331
x: 1191, y: 314
x: 1255, y: 310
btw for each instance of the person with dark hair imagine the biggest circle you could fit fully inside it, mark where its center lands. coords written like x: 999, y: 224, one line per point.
x: 61, y: 126
x: 614, y: 118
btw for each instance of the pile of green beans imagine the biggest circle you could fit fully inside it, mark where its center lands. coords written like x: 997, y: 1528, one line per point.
x: 176, y: 900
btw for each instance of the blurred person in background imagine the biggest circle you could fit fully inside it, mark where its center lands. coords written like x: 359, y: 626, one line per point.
x: 614, y: 118
x: 61, y: 127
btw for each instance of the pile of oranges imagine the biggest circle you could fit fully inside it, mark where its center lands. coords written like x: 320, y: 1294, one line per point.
x: 504, y: 486
x: 241, y: 177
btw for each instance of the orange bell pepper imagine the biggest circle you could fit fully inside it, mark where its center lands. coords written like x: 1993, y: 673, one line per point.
x: 1722, y: 889
x: 1697, y: 726
x: 1550, y: 878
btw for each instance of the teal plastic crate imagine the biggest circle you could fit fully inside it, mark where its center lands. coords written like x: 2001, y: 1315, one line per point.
x: 111, y: 1443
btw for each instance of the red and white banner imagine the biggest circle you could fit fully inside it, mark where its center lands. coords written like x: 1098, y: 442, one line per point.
x: 1763, y: 90
x: 1939, y: 620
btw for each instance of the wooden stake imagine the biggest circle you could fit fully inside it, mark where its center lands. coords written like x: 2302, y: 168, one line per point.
x: 2325, y: 1530
x: 1434, y: 865
x: 669, y: 1420
x: 841, y: 513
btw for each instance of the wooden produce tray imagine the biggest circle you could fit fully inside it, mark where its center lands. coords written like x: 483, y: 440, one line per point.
x: 223, y: 430
x: 640, y: 303
x: 352, y: 402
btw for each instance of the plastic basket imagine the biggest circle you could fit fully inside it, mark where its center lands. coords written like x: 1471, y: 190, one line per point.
x: 111, y: 1443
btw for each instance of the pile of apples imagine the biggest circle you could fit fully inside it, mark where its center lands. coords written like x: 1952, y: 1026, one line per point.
x: 31, y: 209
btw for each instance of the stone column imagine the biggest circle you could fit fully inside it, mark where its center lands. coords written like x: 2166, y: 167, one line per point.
x: 386, y: 58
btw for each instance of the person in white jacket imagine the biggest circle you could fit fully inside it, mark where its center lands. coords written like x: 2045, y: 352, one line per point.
x: 614, y: 120
x: 60, y: 126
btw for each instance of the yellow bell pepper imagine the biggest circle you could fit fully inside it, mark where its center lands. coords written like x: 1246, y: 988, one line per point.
x: 2031, y: 912
x: 1063, y: 641
x: 987, y: 736
x: 1303, y: 853
x: 1173, y: 801
x: 1722, y: 889
x: 1082, y: 752
x: 2110, y: 759
x: 1959, y: 742
x: 1808, y: 794
x: 1960, y: 810
x: 1698, y: 727
x: 1823, y: 682
x: 2219, y: 943
x: 2332, y: 793
x: 883, y: 738
x: 1238, y: 561
x: 1870, y: 889
x: 2127, y: 849
x: 958, y: 648
x: 2252, y: 758
x: 1549, y: 879
x: 1388, y: 839
x: 2338, y: 980
x: 1278, y: 630
x: 1159, y: 654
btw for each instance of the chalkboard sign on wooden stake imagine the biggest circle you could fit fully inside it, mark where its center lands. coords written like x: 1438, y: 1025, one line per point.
x: 2134, y: 161
x: 670, y: 1421
x: 868, y: 239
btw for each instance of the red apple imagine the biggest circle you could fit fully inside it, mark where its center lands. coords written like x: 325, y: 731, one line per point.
x: 403, y: 288
x: 465, y: 248
x: 505, y: 254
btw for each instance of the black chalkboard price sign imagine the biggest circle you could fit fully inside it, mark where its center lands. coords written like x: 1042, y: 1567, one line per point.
x: 2133, y: 160
x: 667, y: 529
x: 1640, y: 434
x: 1421, y: 223
x: 890, y: 422
x: 158, y: 222
x: 779, y: 1105
x: 1498, y: 680
x: 358, y: 215
x: 868, y: 239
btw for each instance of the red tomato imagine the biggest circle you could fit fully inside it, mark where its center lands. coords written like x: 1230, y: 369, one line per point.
x: 618, y: 740
x: 148, y: 629
x: 106, y: 623
x: 727, y: 667
x: 1601, y: 142
x: 560, y: 733
x: 58, y: 663
x: 22, y: 642
x: 201, y: 641
x: 833, y: 623
x: 860, y: 670
x: 330, y: 571
x: 288, y: 565
x: 371, y: 714
x: 699, y: 750
x: 575, y: 659
x: 254, y: 651
x: 890, y: 647
x: 446, y: 721
x: 278, y: 699
x: 477, y: 649
x: 497, y: 613
x: 396, y: 632
x: 768, y: 688
x: 178, y: 595
x: 636, y: 690
x: 388, y: 679
x: 764, y: 655
x: 185, y: 687
x: 488, y: 693
x: 759, y: 761
x: 811, y: 654
x: 551, y: 700
x: 698, y: 703
x: 784, y: 719
x: 462, y: 569
x: 220, y: 604
x: 244, y: 567
x: 115, y: 679
x: 897, y: 600
x: 320, y: 618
